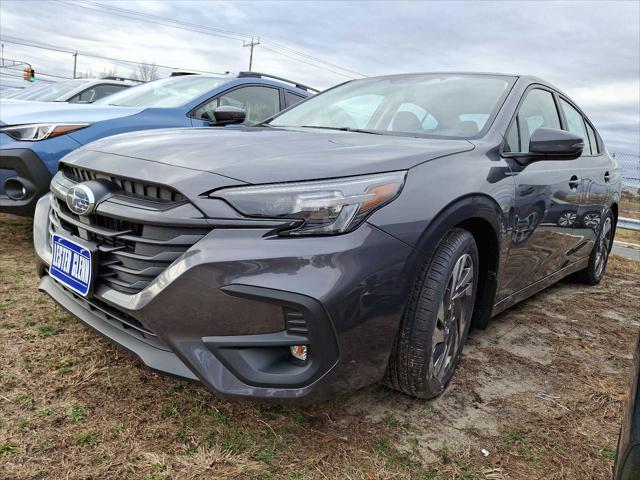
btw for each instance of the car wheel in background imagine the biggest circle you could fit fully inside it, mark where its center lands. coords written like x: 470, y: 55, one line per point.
x: 436, y: 320
x: 567, y: 219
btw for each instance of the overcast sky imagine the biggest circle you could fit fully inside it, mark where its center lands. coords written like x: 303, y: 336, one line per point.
x: 590, y: 50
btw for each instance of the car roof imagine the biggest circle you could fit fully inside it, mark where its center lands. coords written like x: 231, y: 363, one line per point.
x: 528, y: 79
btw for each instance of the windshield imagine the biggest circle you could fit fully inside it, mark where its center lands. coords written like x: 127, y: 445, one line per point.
x: 166, y: 93
x: 439, y: 105
x: 53, y: 92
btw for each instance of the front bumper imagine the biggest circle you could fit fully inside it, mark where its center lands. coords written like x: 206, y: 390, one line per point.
x: 226, y: 311
x: 21, y: 168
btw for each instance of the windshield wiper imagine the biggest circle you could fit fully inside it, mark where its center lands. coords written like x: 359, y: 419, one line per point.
x: 344, y: 129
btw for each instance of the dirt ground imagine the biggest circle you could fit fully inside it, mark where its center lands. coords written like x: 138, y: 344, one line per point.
x: 541, y: 390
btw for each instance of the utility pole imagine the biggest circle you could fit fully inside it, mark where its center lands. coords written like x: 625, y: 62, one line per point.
x: 75, y: 63
x: 251, y: 45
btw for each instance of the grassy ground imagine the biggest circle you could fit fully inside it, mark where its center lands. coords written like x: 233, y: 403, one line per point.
x: 631, y: 236
x: 541, y: 389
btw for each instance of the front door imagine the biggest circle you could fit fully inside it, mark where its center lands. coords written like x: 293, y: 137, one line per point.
x: 546, y: 201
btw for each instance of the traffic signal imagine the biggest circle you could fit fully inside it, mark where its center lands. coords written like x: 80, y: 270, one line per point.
x: 29, y: 74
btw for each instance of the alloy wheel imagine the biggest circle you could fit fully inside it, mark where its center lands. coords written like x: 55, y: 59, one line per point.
x: 602, y: 248
x: 454, y: 314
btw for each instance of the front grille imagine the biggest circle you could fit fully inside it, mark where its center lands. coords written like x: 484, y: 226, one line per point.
x: 135, y: 188
x: 130, y: 254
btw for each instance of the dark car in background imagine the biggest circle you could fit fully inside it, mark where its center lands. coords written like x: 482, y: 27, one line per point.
x: 351, y: 239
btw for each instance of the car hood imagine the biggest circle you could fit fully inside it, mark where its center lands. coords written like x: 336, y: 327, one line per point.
x: 21, y: 112
x: 264, y: 155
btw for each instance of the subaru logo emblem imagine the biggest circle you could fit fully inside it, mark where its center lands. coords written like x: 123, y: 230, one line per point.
x: 81, y: 200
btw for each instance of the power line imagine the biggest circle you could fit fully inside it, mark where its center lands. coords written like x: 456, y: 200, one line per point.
x: 16, y: 68
x: 304, y: 61
x: 133, y: 15
x: 44, y: 46
x: 222, y: 32
x: 158, y: 20
x: 46, y: 80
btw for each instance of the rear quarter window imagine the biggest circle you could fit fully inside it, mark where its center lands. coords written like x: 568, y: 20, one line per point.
x: 593, y: 140
x: 291, y: 98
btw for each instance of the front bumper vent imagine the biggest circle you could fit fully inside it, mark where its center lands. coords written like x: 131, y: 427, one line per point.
x: 295, y: 322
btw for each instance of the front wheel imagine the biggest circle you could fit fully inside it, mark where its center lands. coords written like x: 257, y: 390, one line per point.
x: 436, y: 320
x: 600, y: 252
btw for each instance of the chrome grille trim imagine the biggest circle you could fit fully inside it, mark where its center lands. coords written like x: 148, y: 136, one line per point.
x: 148, y: 191
x: 131, y: 253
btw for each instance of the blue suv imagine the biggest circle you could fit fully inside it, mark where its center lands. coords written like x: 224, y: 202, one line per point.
x: 35, y: 136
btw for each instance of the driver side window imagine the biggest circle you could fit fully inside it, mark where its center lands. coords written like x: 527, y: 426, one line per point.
x: 259, y: 103
x: 537, y: 110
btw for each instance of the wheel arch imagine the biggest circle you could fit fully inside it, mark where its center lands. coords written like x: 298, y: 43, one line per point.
x: 483, y: 218
x: 614, y: 209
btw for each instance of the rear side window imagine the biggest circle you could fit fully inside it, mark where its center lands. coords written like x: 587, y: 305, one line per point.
x: 592, y: 140
x: 537, y: 110
x: 575, y: 123
x: 291, y: 98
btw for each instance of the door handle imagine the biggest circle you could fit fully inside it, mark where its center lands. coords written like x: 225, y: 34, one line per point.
x: 574, y: 183
x: 607, y: 177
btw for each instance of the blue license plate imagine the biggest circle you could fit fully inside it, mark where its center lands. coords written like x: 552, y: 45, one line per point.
x: 71, y: 264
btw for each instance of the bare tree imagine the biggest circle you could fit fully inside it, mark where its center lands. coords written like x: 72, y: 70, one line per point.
x: 147, y: 72
x: 86, y: 74
x: 111, y: 71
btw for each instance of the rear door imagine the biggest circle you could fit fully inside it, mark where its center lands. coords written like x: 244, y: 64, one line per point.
x: 595, y: 176
x: 547, y: 198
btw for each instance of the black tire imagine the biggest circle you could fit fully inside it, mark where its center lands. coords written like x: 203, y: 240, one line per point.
x: 604, y: 241
x: 411, y: 366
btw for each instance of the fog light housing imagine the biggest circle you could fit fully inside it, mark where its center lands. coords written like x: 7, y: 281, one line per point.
x: 299, y: 352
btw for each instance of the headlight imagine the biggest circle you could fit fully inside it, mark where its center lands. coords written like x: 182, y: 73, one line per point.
x: 326, y: 207
x: 39, y: 131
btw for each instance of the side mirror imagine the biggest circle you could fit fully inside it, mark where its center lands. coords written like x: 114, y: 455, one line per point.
x: 226, y: 115
x: 550, y: 144
x: 556, y: 143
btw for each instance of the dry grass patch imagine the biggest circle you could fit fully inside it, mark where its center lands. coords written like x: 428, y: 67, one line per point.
x: 540, y: 389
